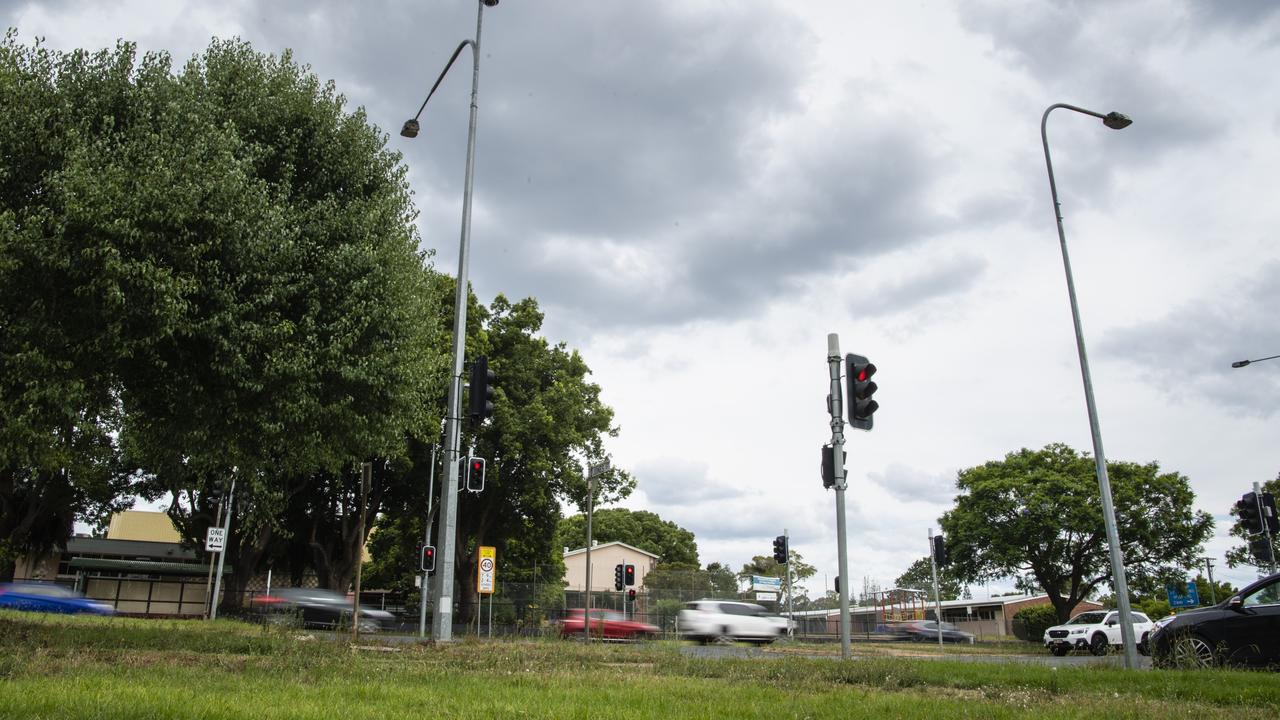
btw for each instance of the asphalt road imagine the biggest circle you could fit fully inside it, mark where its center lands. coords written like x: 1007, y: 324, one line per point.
x: 746, y: 651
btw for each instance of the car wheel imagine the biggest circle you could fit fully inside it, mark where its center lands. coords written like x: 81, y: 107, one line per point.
x: 1060, y: 649
x: 723, y: 638
x: 1193, y: 651
x: 1099, y: 645
x: 369, y: 625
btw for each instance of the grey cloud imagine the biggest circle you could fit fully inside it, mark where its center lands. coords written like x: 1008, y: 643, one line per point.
x: 1204, y: 338
x: 913, y: 485
x: 670, y: 481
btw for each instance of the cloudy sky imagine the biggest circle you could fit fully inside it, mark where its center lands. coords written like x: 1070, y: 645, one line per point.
x: 699, y: 191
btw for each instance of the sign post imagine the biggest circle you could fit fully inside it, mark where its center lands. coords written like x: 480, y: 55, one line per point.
x: 486, y: 573
x: 1180, y: 599
x: 215, y: 539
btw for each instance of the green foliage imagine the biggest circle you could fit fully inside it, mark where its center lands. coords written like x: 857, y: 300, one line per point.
x: 638, y: 528
x: 1039, y: 511
x: 920, y: 577
x: 1035, y: 620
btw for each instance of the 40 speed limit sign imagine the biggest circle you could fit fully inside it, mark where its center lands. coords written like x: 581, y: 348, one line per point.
x: 486, y: 570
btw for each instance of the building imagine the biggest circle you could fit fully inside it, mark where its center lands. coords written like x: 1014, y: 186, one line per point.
x: 990, y: 618
x: 604, y: 558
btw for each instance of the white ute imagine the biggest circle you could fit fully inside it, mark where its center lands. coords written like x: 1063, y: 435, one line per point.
x: 1097, y: 631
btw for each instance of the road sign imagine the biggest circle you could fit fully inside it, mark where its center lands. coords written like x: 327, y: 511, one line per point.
x: 763, y: 582
x: 767, y: 596
x: 486, y: 570
x: 215, y: 539
x: 1179, y: 599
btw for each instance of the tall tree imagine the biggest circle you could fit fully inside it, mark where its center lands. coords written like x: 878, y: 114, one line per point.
x: 1039, y: 511
x: 920, y: 577
x: 638, y: 528
x: 1240, y: 554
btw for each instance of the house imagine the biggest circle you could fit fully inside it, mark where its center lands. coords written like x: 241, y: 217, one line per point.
x: 604, y: 558
x: 992, y: 617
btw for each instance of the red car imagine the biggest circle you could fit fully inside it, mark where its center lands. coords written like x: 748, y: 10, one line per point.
x: 608, y: 624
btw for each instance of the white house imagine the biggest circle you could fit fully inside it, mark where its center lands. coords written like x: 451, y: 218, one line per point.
x: 604, y: 557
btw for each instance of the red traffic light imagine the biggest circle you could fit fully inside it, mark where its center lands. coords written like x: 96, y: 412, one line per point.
x: 631, y: 594
x: 629, y: 574
x: 428, y: 558
x: 865, y: 372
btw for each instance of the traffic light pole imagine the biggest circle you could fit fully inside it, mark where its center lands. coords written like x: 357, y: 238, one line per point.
x: 791, y: 608
x: 1266, y: 527
x: 834, y: 362
x: 937, y: 591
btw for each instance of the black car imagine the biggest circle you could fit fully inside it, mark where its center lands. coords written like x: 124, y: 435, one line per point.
x: 1244, y: 629
x: 312, y: 607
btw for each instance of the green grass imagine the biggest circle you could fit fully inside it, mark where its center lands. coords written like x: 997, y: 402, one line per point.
x: 52, y: 667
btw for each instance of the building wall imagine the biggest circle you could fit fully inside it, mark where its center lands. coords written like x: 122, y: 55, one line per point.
x: 603, y: 560
x: 142, y: 525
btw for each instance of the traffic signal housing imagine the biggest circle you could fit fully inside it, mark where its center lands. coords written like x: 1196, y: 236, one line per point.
x: 481, y: 398
x: 428, y: 558
x: 1270, y: 518
x: 828, y: 467
x: 940, y: 551
x: 617, y: 577
x: 1247, y: 508
x: 780, y: 549
x: 629, y: 575
x: 1260, y: 548
x: 631, y: 594
x: 858, y: 372
x: 471, y: 473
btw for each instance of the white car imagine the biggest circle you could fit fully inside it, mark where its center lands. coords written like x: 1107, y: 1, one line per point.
x: 1097, y: 631
x: 725, y: 621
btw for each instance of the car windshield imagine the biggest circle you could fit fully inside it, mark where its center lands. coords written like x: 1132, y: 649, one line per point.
x: 1089, y: 618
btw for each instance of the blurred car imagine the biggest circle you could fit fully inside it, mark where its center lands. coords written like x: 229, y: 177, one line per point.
x: 607, y: 624
x: 313, y: 607
x: 47, y: 597
x: 726, y: 621
x: 927, y: 631
x: 1244, y: 629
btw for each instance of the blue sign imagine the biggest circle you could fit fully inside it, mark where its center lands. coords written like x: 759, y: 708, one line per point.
x: 1178, y: 599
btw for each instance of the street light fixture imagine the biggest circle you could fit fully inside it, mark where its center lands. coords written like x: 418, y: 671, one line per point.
x: 1115, y: 121
x: 1242, y: 363
x: 442, y: 618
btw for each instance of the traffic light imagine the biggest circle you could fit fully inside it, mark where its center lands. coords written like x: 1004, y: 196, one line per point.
x: 1247, y: 508
x: 1260, y: 548
x: 858, y: 372
x: 940, y: 551
x: 629, y: 575
x: 631, y: 594
x: 617, y: 577
x: 428, y: 558
x: 481, y: 399
x: 828, y: 467
x: 837, y: 584
x: 780, y: 549
x: 1269, y: 516
x: 471, y: 473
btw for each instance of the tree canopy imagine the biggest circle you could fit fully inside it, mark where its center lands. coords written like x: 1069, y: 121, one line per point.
x: 639, y: 528
x: 920, y: 577
x: 1038, y: 511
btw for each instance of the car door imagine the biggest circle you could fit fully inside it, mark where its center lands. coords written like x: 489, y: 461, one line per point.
x: 1261, y: 607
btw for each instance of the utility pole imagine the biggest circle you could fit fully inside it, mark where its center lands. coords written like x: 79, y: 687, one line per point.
x: 937, y: 594
x: 1208, y: 566
x: 222, y: 555
x: 834, y: 361
x: 1266, y: 528
x: 592, y: 472
x: 791, y: 608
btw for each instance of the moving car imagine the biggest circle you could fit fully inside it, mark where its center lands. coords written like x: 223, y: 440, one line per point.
x: 47, y: 597
x: 1097, y: 631
x: 313, y: 607
x: 724, y: 621
x: 927, y: 631
x: 1244, y: 629
x: 607, y: 624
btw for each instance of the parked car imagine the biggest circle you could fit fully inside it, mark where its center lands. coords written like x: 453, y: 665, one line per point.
x: 1097, y: 631
x: 312, y: 607
x: 927, y: 631
x: 608, y: 624
x: 1244, y: 629
x: 47, y: 597
x: 725, y: 621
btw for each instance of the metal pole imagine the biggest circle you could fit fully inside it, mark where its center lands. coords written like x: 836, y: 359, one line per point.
x: 366, y: 476
x: 1266, y: 527
x: 937, y: 593
x: 1213, y: 593
x: 268, y: 579
x: 226, y: 542
x: 426, y: 576
x: 586, y: 605
x: 1118, y: 582
x: 208, y: 585
x: 837, y: 453
x: 791, y: 607
x: 442, y: 619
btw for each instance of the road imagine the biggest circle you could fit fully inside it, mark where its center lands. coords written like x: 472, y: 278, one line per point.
x: 746, y: 651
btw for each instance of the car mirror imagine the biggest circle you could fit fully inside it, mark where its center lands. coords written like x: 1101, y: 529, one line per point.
x: 1236, y: 602
x: 1111, y: 622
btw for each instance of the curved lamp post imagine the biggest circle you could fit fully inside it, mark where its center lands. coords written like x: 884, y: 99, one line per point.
x: 1243, y: 363
x: 1115, y: 121
x: 442, y: 619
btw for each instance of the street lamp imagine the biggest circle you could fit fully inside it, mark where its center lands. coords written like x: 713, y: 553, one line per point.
x: 1115, y: 121
x: 1242, y: 363
x: 442, y: 619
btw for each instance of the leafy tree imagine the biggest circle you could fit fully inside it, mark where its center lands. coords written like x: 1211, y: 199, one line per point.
x: 1240, y: 555
x: 1039, y: 511
x: 689, y: 582
x: 639, y: 528
x: 768, y: 567
x: 920, y: 577
x: 1029, y: 623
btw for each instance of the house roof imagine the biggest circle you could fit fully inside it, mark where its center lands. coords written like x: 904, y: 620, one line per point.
x: 617, y: 543
x: 137, y: 549
x: 143, y: 566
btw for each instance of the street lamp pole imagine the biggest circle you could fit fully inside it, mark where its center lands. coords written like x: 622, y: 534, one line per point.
x: 442, y: 618
x: 1244, y: 363
x: 1115, y: 121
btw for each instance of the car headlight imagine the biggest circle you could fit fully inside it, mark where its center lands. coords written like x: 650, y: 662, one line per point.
x: 1159, y: 624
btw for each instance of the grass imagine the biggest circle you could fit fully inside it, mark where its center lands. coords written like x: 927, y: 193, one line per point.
x: 56, y: 667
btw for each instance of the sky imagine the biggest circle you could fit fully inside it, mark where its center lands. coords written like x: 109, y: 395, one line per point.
x: 698, y: 192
